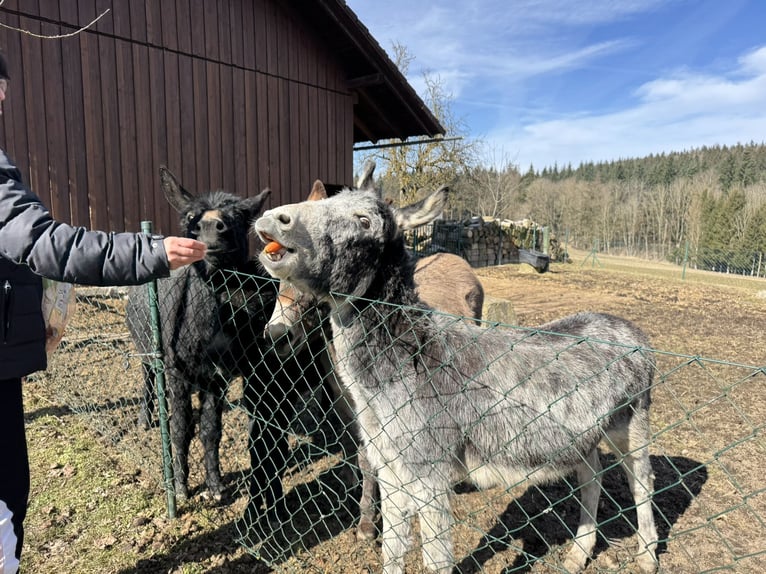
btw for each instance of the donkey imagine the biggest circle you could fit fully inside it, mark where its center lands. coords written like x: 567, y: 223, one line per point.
x: 440, y: 401
x: 212, y: 317
x: 299, y: 328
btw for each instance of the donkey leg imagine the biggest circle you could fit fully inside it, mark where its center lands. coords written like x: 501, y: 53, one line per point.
x: 181, y: 431
x: 270, y: 415
x: 397, y: 508
x: 641, y: 479
x: 632, y: 447
x: 435, y: 526
x: 210, y: 429
x: 366, y: 529
x: 589, y: 480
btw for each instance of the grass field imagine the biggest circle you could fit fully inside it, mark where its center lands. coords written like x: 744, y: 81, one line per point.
x: 97, y: 505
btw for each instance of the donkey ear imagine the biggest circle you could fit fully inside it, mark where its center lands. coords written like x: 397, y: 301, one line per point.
x: 174, y: 192
x: 318, y: 192
x: 255, y: 204
x: 365, y: 181
x: 423, y: 211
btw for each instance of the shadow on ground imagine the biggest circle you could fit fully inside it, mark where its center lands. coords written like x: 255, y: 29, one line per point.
x: 326, y: 507
x: 678, y: 481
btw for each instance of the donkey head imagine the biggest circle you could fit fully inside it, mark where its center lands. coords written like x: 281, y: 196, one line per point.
x: 296, y: 316
x: 340, y: 244
x: 219, y: 219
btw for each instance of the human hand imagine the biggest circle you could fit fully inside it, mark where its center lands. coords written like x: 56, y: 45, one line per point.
x: 183, y: 250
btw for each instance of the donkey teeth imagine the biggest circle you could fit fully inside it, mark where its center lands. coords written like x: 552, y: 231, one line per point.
x: 274, y: 250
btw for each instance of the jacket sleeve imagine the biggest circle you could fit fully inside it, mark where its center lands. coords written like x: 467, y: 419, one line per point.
x: 28, y: 234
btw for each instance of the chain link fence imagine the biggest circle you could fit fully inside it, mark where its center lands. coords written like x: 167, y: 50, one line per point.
x: 290, y: 474
x: 728, y: 261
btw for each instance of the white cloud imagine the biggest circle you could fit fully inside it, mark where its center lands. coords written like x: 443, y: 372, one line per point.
x: 754, y: 62
x: 681, y: 111
x: 525, y: 65
x: 493, y: 40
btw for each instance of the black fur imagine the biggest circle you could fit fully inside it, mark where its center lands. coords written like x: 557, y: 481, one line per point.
x: 211, y: 314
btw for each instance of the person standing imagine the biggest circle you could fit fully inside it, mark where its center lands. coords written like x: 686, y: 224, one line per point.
x: 34, y: 245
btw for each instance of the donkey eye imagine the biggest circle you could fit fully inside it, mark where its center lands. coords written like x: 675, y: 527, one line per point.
x: 364, y: 221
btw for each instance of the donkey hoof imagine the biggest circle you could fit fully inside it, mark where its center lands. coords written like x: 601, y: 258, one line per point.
x: 366, y: 530
x: 214, y: 493
x: 182, y: 492
x: 575, y: 560
x: 647, y: 563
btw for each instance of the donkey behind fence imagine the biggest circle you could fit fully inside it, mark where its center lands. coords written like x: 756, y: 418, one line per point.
x: 300, y: 330
x: 440, y: 401
x: 212, y: 318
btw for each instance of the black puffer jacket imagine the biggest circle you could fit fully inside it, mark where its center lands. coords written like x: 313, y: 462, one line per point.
x: 32, y: 244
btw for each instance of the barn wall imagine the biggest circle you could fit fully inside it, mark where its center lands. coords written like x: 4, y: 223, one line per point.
x: 233, y: 94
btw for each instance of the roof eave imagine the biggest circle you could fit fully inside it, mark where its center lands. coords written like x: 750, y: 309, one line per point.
x: 383, y: 76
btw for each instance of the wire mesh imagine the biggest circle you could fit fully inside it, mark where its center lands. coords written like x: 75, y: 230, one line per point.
x: 728, y: 261
x: 281, y: 428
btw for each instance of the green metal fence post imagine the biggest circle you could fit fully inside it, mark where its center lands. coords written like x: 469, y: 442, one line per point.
x: 158, y: 366
x: 592, y: 255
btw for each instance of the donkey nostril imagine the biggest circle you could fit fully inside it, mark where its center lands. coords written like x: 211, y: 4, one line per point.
x: 283, y: 218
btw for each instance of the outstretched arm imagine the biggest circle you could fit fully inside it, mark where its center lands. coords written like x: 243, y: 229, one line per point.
x: 29, y: 235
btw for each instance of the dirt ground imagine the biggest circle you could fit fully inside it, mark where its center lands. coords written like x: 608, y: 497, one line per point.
x: 98, y: 506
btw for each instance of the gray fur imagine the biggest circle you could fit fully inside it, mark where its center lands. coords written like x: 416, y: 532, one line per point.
x: 444, y: 281
x: 440, y: 401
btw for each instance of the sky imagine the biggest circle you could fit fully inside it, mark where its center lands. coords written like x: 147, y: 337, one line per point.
x: 544, y: 82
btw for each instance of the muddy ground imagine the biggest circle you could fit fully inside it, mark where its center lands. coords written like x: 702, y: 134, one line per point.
x: 98, y: 506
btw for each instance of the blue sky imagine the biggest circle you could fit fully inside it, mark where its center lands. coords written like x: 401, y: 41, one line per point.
x: 567, y: 81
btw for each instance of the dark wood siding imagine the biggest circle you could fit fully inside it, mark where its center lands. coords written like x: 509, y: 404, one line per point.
x: 233, y: 94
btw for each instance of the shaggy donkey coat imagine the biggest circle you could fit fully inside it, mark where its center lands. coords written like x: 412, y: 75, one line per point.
x: 440, y: 401
x: 299, y: 326
x: 211, y: 319
x: 213, y: 315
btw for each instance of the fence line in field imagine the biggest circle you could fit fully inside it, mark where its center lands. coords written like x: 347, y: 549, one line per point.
x: 707, y: 454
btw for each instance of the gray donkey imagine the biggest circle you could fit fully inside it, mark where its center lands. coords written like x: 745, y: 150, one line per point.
x: 440, y: 401
x: 298, y: 325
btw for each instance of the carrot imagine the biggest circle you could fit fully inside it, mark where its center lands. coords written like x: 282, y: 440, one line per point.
x: 272, y: 247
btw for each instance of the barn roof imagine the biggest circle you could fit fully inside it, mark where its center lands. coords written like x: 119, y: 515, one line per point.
x: 387, y: 106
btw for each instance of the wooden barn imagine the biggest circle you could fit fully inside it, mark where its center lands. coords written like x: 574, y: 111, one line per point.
x: 232, y: 94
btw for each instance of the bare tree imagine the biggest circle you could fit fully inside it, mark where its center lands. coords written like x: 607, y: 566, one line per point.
x: 494, y: 190
x: 408, y: 169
